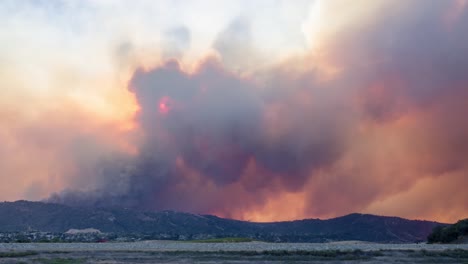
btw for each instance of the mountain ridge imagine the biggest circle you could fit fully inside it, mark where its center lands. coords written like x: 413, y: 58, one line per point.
x: 23, y: 216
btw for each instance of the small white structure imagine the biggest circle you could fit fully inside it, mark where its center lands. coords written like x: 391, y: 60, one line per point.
x: 83, y: 231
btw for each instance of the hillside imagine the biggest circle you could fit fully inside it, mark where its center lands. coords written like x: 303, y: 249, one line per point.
x: 47, y: 217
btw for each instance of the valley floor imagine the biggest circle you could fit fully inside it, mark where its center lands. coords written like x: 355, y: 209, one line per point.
x: 249, y: 252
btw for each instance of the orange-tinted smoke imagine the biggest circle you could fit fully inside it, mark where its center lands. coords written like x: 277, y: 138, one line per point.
x: 386, y: 133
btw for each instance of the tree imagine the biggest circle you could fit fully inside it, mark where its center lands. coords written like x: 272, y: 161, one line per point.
x: 447, y: 234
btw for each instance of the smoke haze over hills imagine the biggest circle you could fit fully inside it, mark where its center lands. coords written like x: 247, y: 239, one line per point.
x: 307, y: 109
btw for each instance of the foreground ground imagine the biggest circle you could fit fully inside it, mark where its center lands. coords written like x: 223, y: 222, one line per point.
x: 257, y: 252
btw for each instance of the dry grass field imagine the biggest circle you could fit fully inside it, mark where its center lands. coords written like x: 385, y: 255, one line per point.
x: 246, y: 252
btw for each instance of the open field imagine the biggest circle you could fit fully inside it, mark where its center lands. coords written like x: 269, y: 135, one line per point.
x: 252, y: 252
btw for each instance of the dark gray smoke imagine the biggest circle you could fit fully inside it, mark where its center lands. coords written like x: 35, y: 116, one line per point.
x: 214, y: 122
x: 390, y: 123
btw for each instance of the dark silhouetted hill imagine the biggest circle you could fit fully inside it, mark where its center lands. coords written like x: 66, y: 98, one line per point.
x: 48, y: 217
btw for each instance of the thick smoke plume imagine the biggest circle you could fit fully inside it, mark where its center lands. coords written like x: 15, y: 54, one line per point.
x: 370, y: 117
x: 209, y: 132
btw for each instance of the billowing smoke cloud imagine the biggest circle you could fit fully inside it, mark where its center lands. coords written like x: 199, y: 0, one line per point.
x: 369, y: 118
x: 212, y: 129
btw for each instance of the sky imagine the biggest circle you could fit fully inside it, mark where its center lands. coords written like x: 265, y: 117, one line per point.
x: 254, y: 110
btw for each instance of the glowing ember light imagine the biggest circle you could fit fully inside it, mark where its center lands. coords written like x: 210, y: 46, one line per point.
x: 164, y: 105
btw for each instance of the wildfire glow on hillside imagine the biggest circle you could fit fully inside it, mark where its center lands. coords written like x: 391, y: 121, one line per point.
x: 255, y: 110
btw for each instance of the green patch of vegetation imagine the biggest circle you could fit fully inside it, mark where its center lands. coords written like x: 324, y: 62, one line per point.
x: 17, y: 254
x: 224, y: 240
x: 413, y: 256
x: 450, y: 253
x: 57, y: 252
x: 325, y: 254
x: 448, y: 234
x: 61, y: 261
x: 273, y: 255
